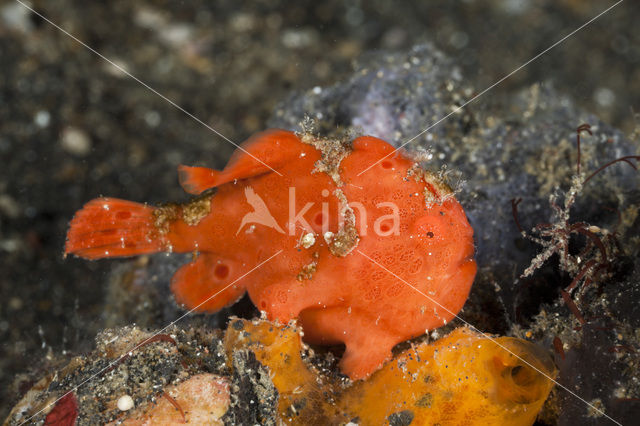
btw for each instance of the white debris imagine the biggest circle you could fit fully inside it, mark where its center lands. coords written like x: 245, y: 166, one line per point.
x: 328, y: 237
x: 308, y: 240
x: 125, y: 403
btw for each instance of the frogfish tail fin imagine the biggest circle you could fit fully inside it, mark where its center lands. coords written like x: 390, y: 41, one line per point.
x: 111, y: 227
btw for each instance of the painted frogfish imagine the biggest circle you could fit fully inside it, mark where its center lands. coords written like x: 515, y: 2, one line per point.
x: 368, y: 259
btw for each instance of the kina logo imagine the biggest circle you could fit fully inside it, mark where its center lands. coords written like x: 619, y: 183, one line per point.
x: 260, y: 214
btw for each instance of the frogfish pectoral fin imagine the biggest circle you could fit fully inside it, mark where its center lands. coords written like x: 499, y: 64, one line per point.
x: 368, y: 343
x: 207, y: 284
x: 360, y: 360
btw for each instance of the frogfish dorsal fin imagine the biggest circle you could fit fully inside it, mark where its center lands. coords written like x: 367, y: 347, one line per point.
x: 262, y: 153
x: 196, y: 180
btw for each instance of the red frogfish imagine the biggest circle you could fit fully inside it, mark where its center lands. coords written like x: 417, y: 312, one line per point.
x: 368, y: 259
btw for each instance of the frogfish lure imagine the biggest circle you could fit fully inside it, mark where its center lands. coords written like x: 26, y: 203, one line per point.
x: 365, y: 259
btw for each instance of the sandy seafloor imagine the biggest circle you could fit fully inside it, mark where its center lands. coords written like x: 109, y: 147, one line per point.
x: 72, y: 127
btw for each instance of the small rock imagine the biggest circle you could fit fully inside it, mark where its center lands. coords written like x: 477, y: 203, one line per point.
x: 125, y: 403
x: 42, y: 119
x: 76, y: 141
x: 9, y: 206
x: 16, y: 17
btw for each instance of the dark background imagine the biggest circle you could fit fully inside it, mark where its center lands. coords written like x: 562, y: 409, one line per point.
x: 72, y: 127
